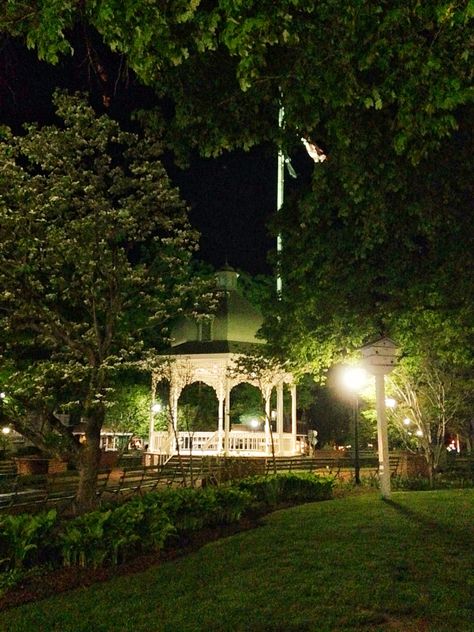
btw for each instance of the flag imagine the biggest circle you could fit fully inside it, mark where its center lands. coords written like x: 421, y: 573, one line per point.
x: 314, y: 152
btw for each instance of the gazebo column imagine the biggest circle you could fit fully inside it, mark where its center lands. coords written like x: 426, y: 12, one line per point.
x: 227, y: 419
x: 151, y: 432
x: 293, y: 417
x: 173, y: 426
x: 220, y: 424
x: 268, y: 438
x: 279, y: 417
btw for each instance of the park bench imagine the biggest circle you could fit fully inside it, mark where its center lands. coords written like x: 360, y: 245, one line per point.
x: 139, y: 480
x: 177, y: 472
x: 333, y: 465
x: 7, y: 470
x: 34, y: 493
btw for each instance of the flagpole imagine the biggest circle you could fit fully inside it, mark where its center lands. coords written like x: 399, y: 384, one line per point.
x: 280, y: 199
x: 317, y: 155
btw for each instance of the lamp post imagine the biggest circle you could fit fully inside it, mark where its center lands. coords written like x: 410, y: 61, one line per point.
x: 354, y: 378
x: 380, y: 359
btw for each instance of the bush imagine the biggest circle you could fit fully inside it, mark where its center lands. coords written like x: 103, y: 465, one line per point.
x: 192, y: 509
x: 287, y: 487
x: 21, y: 537
x: 142, y: 523
x: 82, y: 541
x: 413, y: 483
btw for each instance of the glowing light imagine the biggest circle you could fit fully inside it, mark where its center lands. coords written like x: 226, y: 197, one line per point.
x: 2, y: 395
x: 6, y: 430
x: 156, y: 408
x: 406, y: 421
x: 390, y: 402
x: 419, y: 433
x: 254, y: 423
x: 354, y: 378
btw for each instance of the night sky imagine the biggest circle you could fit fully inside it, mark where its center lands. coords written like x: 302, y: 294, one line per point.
x: 231, y: 198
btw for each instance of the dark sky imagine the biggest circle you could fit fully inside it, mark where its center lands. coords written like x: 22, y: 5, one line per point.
x: 231, y: 198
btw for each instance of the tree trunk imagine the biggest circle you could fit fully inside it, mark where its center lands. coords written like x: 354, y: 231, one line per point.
x: 88, y: 466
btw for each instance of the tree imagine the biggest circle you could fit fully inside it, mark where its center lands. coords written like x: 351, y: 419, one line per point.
x: 429, y: 398
x: 130, y: 402
x: 385, y: 233
x: 94, y: 253
x: 390, y: 260
x: 228, y: 66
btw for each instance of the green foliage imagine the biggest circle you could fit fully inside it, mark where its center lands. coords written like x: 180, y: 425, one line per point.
x: 22, y: 535
x: 95, y: 251
x: 82, y: 540
x: 431, y: 397
x: 356, y: 563
x: 198, y: 408
x: 112, y: 535
x: 413, y: 483
x: 227, y: 66
x: 129, y: 408
x: 189, y: 509
x: 232, y: 503
x: 288, y: 487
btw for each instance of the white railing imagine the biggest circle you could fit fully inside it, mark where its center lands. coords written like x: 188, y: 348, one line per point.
x: 239, y: 443
x: 198, y: 441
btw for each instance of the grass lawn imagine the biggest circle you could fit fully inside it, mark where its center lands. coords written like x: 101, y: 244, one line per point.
x: 355, y: 563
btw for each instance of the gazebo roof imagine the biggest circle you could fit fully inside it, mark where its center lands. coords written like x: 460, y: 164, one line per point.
x: 232, y: 329
x: 196, y: 347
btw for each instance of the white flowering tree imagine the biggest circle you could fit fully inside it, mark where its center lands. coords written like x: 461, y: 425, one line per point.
x: 95, y: 248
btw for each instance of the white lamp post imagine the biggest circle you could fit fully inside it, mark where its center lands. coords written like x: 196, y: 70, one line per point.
x: 380, y: 359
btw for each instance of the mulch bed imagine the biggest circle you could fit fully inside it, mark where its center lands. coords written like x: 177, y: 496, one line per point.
x: 64, y: 579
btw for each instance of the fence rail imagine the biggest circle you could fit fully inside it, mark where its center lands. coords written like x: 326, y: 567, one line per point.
x: 33, y: 493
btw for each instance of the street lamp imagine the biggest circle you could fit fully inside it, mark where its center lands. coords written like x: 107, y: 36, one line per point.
x: 354, y: 379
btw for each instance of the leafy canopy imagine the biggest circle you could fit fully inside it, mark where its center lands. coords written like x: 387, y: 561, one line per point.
x: 95, y: 248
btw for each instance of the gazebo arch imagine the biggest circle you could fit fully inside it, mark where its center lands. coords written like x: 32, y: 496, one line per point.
x: 215, y: 361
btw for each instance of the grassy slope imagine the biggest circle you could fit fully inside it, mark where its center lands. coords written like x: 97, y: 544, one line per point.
x: 355, y: 563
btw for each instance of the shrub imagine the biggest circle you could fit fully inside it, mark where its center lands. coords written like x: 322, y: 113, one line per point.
x: 156, y: 526
x: 231, y: 504
x: 413, y: 483
x: 287, y: 487
x: 21, y: 535
x: 189, y: 509
x: 82, y: 540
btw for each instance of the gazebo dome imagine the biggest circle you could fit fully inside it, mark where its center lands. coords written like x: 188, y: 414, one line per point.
x: 232, y: 328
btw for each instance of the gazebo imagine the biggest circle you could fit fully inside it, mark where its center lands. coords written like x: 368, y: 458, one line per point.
x: 211, y: 351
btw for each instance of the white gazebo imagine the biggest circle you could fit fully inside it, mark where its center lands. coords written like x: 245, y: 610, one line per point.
x: 210, y: 351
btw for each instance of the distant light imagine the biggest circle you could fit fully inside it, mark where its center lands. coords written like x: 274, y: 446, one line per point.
x: 2, y: 395
x: 390, y: 402
x: 156, y: 408
x: 254, y: 423
x: 6, y: 430
x: 406, y: 421
x: 419, y: 433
